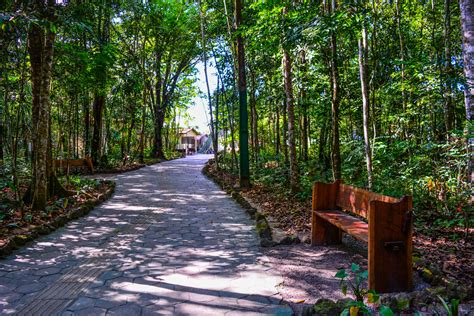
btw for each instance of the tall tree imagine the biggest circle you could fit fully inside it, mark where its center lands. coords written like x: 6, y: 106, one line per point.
x: 363, y: 53
x: 40, y: 48
x: 467, y: 23
x: 243, y: 114
x: 175, y: 32
x: 209, y: 98
x: 335, y: 100
x: 102, y: 64
x: 304, y: 105
x: 448, y: 69
x: 288, y: 83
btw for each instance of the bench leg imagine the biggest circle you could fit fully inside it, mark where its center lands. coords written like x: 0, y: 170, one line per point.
x: 323, y: 232
x: 390, y: 249
x: 389, y: 267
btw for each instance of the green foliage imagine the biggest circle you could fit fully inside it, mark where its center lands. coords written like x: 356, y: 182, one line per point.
x: 355, y: 280
x: 453, y: 308
x: 172, y: 154
x: 80, y: 183
x: 110, y: 48
x: 28, y: 218
x: 434, y: 173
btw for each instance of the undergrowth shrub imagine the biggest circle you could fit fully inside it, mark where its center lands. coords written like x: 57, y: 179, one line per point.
x: 434, y: 173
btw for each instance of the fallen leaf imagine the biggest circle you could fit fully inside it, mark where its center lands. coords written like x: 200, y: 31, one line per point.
x: 298, y: 301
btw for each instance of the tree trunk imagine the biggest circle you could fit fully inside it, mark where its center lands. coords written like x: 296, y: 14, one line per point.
x: 4, y: 105
x: 402, y: 60
x: 285, y: 131
x: 87, y: 128
x: 230, y: 113
x: 277, y: 130
x: 40, y: 119
x: 336, y: 154
x: 141, y: 150
x: 287, y: 74
x: 40, y: 48
x: 322, y: 157
x: 304, y: 106
x: 158, y: 139
x: 97, y: 113
x: 254, y: 117
x: 216, y: 122
x: 363, y: 53
x: 129, y: 134
x: 448, y: 70
x: 467, y: 22
x: 209, y: 98
x: 3, y: 70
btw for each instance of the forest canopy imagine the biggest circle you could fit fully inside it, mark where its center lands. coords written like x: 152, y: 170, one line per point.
x: 377, y: 93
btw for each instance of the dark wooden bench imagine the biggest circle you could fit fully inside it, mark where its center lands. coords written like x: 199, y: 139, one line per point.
x: 388, y: 231
x: 65, y: 164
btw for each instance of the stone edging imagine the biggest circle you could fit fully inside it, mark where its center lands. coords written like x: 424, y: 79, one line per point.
x: 59, y: 221
x: 135, y: 167
x: 115, y: 171
x: 397, y: 301
x: 263, y: 228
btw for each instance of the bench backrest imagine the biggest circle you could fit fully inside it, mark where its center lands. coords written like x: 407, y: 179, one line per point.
x: 356, y: 200
x: 67, y: 163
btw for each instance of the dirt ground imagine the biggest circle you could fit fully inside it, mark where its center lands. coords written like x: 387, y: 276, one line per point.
x: 309, y: 272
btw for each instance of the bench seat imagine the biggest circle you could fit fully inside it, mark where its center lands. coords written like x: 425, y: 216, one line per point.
x: 350, y: 224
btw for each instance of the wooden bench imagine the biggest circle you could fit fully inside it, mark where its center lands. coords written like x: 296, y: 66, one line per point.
x: 388, y: 231
x: 65, y: 164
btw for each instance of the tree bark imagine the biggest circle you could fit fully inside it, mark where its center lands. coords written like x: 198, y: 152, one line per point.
x: 4, y: 105
x: 129, y: 134
x: 336, y: 153
x: 141, y: 150
x: 285, y: 132
x: 40, y: 48
x: 97, y: 113
x: 467, y: 22
x: 277, y: 130
x: 98, y: 143
x: 304, y: 106
x: 448, y: 70
x: 158, y: 139
x: 40, y: 118
x: 363, y: 53
x: 254, y: 117
x: 209, y: 98
x: 402, y: 60
x: 287, y: 74
x: 322, y: 157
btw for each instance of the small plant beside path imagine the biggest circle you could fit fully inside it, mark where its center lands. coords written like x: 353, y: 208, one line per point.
x: 19, y: 224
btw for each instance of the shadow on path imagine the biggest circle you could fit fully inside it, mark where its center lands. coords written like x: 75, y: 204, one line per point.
x: 168, y: 242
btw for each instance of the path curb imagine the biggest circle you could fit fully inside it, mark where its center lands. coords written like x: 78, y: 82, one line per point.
x: 262, y: 226
x: 20, y: 240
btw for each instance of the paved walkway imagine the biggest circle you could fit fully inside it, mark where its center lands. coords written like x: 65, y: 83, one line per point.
x: 169, y: 242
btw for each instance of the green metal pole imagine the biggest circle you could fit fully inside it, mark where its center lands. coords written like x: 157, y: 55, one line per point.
x: 244, y: 141
x: 243, y: 126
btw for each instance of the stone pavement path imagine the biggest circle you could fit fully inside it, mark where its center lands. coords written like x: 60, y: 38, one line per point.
x: 169, y: 242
